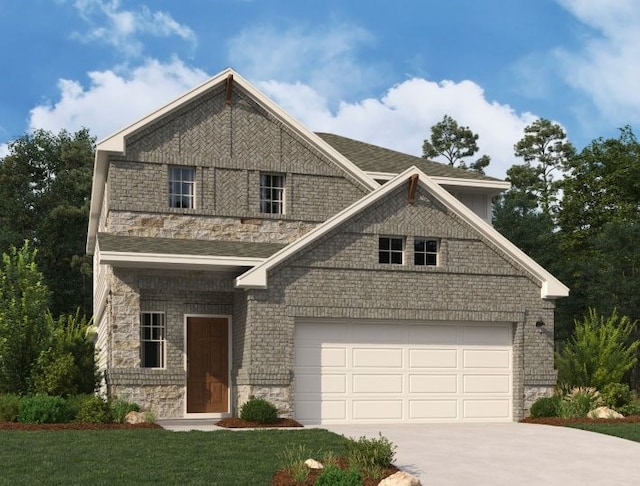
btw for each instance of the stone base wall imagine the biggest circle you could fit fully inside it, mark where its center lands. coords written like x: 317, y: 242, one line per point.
x: 533, y: 392
x: 165, y: 401
x: 280, y: 396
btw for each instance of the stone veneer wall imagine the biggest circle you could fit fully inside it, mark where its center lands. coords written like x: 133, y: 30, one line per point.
x: 474, y: 282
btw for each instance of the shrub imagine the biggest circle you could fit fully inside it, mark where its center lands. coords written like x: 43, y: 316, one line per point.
x: 579, y: 402
x: 546, y: 407
x: 259, y: 410
x: 42, y: 409
x: 73, y: 405
x: 94, y: 410
x: 630, y: 409
x: 9, y: 407
x: 370, y: 456
x: 600, y: 351
x: 334, y: 476
x: 617, y: 395
x: 120, y: 409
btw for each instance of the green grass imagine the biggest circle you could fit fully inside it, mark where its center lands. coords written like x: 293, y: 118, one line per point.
x: 630, y: 431
x: 152, y: 456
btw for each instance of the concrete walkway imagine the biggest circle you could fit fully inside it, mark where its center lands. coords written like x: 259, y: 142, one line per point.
x: 509, y: 454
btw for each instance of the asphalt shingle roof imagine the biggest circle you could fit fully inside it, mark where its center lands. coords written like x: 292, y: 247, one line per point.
x: 371, y: 158
x: 138, y: 244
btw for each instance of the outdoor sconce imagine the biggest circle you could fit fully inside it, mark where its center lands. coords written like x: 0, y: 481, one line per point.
x: 540, y: 324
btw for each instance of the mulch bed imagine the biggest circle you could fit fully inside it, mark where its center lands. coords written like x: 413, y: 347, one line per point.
x: 76, y: 426
x: 632, y: 419
x: 283, y: 478
x: 238, y: 423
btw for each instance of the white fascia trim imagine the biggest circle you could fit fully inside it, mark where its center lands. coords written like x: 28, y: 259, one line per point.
x: 450, y: 181
x: 116, y: 258
x: 550, y: 286
x: 115, y: 143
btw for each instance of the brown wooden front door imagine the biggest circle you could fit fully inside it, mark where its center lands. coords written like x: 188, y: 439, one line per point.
x: 207, y: 364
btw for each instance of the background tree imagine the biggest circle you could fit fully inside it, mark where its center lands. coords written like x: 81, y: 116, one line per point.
x: 45, y: 187
x: 546, y: 151
x: 23, y: 329
x: 455, y: 143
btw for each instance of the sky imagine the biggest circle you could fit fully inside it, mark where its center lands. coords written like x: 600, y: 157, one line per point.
x: 379, y: 71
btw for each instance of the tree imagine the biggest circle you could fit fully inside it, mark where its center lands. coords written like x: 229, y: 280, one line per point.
x: 545, y: 150
x: 45, y: 187
x: 23, y: 329
x: 455, y: 143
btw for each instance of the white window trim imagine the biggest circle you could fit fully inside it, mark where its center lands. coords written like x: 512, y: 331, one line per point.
x: 164, y: 341
x: 391, y: 252
x: 425, y: 253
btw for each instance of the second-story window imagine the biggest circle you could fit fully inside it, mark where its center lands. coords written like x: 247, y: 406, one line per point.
x: 182, y: 187
x: 390, y: 250
x: 272, y: 193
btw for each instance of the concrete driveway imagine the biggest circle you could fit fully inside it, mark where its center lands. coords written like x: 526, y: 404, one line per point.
x: 507, y: 454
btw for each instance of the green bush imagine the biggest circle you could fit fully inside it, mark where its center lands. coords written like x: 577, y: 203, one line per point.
x: 579, y: 402
x: 42, y: 409
x: 334, y: 476
x: 617, y: 395
x: 630, y: 409
x: 120, y: 409
x: 546, y: 407
x: 94, y: 410
x: 9, y: 407
x: 259, y: 410
x: 370, y: 456
x: 73, y: 405
x: 600, y: 352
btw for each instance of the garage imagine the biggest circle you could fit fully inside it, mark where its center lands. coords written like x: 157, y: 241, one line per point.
x: 413, y: 372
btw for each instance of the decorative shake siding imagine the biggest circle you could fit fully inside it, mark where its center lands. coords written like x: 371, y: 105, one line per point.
x: 327, y: 281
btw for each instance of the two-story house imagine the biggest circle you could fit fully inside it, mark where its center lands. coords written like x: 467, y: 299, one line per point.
x: 238, y: 254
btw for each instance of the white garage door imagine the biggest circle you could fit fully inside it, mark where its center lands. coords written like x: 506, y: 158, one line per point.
x: 366, y: 372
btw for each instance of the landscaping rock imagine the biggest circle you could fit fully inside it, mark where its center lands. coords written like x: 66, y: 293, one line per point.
x: 135, y: 418
x: 605, y: 413
x: 313, y: 464
x: 400, y: 478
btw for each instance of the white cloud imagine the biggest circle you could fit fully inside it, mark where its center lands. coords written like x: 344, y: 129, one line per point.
x: 111, y: 25
x: 4, y: 150
x: 114, y: 100
x: 402, y: 118
x: 324, y: 57
x: 606, y: 68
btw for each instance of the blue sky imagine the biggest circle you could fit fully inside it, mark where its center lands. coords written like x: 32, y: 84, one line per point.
x: 378, y: 71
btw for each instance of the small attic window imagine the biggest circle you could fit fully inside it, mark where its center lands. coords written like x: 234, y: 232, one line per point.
x: 182, y: 187
x: 391, y: 250
x: 425, y: 252
x: 272, y: 193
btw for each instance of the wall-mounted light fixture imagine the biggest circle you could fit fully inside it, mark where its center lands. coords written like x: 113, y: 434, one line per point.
x: 540, y: 324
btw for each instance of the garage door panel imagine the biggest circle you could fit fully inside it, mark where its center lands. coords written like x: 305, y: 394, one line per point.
x: 431, y: 335
x: 313, y: 357
x: 321, y: 383
x: 486, y: 384
x: 486, y: 409
x: 433, y: 358
x: 377, y: 383
x: 377, y: 409
x: 433, y: 409
x: 377, y: 358
x: 486, y: 358
x: 433, y: 383
x: 315, y: 411
x: 481, y: 335
x: 391, y: 333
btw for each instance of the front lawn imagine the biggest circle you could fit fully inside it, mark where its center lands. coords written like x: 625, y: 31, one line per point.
x: 630, y: 431
x: 153, y: 456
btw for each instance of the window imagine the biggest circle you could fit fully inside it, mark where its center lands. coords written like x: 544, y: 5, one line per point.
x: 152, y: 340
x: 272, y: 193
x: 390, y: 250
x: 181, y: 187
x: 425, y: 252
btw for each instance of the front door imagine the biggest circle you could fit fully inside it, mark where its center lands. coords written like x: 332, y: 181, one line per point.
x: 207, y: 365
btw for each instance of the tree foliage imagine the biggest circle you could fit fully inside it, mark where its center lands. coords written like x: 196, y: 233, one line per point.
x: 45, y: 187
x: 23, y: 329
x: 455, y: 143
x: 601, y: 351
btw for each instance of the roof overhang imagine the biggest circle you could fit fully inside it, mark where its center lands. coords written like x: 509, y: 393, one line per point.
x: 550, y: 287
x: 470, y: 185
x: 115, y: 144
x: 170, y: 261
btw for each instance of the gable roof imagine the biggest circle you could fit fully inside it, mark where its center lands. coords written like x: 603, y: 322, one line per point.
x: 384, y: 163
x: 550, y: 287
x: 115, y: 144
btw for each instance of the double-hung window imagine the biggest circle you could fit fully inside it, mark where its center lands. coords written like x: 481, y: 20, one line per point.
x: 272, y: 193
x: 390, y: 250
x: 152, y: 340
x: 425, y: 251
x: 182, y: 187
